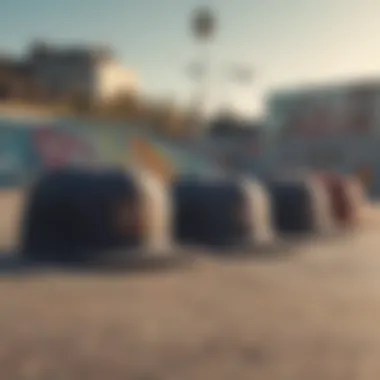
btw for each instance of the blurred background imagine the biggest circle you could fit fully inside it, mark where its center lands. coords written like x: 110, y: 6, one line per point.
x: 201, y: 89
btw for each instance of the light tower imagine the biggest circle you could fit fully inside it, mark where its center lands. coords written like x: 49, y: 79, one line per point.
x: 203, y: 25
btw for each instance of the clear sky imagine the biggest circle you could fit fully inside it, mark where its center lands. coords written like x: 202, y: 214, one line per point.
x: 287, y: 42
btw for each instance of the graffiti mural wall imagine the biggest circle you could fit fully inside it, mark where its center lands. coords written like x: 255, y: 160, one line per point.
x: 57, y: 148
x: 26, y: 150
x: 17, y: 160
x: 147, y: 156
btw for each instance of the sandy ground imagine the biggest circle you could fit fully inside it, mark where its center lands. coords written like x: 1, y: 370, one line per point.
x: 311, y: 315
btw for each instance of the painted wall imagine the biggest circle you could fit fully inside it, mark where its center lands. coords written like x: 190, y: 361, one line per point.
x: 26, y: 150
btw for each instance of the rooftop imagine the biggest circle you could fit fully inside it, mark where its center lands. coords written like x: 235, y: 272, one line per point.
x: 354, y: 84
x: 42, y: 49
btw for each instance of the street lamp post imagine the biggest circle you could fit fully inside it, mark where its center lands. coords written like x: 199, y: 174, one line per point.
x: 203, y: 28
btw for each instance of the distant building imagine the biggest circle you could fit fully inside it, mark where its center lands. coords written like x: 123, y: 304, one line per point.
x: 93, y: 74
x: 325, y: 110
x: 16, y: 80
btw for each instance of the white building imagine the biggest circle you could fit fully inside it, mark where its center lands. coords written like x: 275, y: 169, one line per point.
x: 95, y: 74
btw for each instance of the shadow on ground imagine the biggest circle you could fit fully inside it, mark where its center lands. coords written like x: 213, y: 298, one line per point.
x: 180, y: 259
x: 13, y: 264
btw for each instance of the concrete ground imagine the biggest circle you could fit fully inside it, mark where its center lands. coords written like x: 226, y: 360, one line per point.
x: 314, y: 314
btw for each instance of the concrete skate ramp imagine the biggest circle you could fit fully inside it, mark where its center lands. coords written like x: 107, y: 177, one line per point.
x: 221, y: 212
x: 300, y: 206
x: 11, y: 206
x: 76, y: 214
